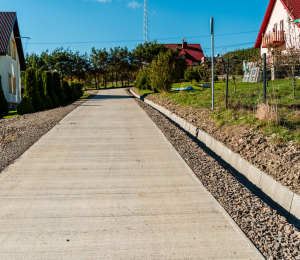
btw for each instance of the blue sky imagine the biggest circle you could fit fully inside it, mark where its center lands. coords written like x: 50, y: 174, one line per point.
x: 64, y: 22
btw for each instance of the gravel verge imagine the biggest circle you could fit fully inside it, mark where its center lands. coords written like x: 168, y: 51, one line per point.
x: 279, y: 160
x: 265, y: 227
x: 18, y: 134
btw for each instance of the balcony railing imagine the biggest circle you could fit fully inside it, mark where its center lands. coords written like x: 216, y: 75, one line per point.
x: 273, y: 39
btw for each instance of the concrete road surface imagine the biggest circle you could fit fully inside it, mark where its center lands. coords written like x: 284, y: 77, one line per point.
x: 106, y: 184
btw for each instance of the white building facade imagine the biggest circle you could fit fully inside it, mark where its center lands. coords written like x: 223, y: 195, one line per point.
x: 279, y: 30
x: 11, y: 59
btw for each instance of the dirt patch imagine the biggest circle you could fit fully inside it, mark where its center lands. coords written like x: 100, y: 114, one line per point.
x: 17, y: 134
x: 280, y: 160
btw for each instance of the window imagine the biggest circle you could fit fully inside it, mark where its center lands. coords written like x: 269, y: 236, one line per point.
x: 281, y: 26
x: 275, y: 27
x: 14, y: 50
x: 9, y: 49
x: 9, y: 83
x: 15, y: 86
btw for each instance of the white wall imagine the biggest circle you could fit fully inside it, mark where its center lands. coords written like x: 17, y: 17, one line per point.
x: 10, y: 66
x: 292, y: 32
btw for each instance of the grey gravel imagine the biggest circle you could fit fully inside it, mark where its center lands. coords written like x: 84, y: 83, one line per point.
x: 265, y: 227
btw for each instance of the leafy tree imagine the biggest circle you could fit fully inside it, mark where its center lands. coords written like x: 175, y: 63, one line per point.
x: 142, y: 79
x: 243, y: 54
x: 3, y: 102
x: 31, y: 90
x: 189, y: 74
x: 162, y: 71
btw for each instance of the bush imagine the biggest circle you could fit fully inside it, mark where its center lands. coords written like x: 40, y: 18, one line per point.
x: 31, y: 90
x: 57, y: 87
x: 48, y: 102
x: 3, y: 102
x: 189, y: 74
x: 25, y: 107
x: 76, y: 91
x: 69, y: 93
x: 142, y: 79
x: 63, y: 91
x: 49, y: 88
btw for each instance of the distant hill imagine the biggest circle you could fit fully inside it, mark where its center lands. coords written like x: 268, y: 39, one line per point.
x: 243, y: 54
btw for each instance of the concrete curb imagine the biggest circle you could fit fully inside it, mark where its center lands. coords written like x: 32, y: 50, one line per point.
x: 272, y: 191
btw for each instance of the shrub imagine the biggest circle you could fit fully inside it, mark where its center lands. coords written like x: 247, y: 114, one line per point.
x: 49, y: 88
x: 25, y: 107
x: 57, y: 87
x: 48, y: 102
x: 142, y: 79
x: 3, y: 102
x: 69, y: 93
x: 31, y: 90
x: 189, y: 74
x: 63, y: 91
x: 75, y: 90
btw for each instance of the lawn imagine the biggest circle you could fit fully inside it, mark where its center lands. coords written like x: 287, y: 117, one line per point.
x: 243, y: 101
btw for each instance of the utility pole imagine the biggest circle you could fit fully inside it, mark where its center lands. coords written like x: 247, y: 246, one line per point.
x: 212, y: 62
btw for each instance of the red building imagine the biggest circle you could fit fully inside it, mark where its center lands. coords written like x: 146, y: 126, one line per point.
x: 191, y: 52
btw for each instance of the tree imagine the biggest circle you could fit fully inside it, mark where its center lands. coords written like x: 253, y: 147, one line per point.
x: 3, y: 102
x: 57, y: 87
x: 142, y: 79
x: 31, y: 90
x: 49, y: 88
x: 162, y: 71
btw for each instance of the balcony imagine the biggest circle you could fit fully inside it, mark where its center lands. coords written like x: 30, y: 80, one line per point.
x: 273, y: 39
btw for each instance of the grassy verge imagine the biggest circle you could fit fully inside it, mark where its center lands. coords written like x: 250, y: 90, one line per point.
x: 243, y: 101
x: 14, y: 112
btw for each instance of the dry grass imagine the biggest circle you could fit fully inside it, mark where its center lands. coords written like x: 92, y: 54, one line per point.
x: 266, y: 112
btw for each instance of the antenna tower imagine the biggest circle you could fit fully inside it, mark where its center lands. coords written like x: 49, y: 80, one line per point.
x: 146, y: 22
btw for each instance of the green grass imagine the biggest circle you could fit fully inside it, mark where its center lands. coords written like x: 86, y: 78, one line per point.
x: 12, y: 113
x: 243, y: 103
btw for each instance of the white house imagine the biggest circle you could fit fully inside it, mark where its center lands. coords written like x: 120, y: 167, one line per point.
x: 12, y: 59
x: 279, y: 30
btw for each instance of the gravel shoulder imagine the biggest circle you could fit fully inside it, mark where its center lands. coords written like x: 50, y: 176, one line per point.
x: 280, y: 160
x: 18, y: 134
x: 269, y: 231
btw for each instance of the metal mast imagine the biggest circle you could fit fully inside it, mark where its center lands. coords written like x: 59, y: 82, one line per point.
x: 146, y: 22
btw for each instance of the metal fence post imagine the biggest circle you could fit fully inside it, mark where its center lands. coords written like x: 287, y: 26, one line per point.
x: 227, y: 75
x: 265, y: 78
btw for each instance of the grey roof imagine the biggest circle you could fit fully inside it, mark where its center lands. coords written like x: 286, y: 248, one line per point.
x: 9, y: 24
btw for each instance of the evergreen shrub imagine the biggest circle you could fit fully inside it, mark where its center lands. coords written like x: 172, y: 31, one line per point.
x: 25, y: 107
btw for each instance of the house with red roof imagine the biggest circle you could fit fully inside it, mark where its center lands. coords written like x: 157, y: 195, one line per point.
x: 12, y: 59
x: 280, y: 29
x: 191, y: 52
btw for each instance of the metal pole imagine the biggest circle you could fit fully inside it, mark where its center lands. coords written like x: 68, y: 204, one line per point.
x: 265, y: 78
x: 227, y: 75
x: 212, y: 63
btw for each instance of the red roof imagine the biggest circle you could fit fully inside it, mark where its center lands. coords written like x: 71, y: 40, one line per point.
x: 192, y: 52
x: 9, y: 24
x: 294, y: 4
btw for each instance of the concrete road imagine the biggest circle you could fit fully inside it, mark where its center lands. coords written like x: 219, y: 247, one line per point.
x: 106, y: 184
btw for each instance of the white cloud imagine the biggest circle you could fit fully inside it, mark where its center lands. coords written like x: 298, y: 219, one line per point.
x: 134, y: 4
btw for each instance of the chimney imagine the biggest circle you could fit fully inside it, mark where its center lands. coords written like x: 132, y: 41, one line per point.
x: 184, y: 43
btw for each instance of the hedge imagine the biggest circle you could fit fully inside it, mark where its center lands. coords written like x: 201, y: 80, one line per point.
x: 49, y: 88
x: 31, y: 90
x: 57, y: 87
x: 25, y: 107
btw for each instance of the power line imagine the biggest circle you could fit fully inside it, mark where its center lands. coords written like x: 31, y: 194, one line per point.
x: 123, y: 41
